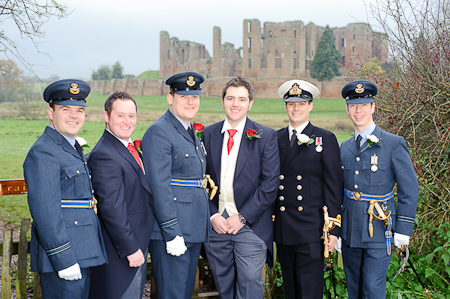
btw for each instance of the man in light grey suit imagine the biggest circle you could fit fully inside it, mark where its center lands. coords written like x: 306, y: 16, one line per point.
x: 175, y: 170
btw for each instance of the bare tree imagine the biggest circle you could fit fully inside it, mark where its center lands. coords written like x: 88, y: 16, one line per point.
x: 28, y: 16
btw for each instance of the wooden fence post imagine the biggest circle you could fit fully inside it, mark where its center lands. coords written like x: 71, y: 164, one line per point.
x: 22, y: 263
x: 6, y: 264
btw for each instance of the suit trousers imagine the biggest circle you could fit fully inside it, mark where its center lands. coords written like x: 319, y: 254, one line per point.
x: 174, y: 275
x: 365, y: 271
x: 302, y: 266
x: 54, y: 287
x: 136, y: 288
x: 236, y: 262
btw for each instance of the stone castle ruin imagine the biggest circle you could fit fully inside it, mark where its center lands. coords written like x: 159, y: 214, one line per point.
x: 274, y: 50
x: 270, y: 55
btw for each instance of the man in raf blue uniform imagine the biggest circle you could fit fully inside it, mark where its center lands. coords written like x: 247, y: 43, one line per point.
x: 373, y: 161
x: 66, y: 238
x: 175, y: 168
x: 310, y: 178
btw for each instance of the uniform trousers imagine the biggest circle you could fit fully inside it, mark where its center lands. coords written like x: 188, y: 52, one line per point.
x: 302, y: 267
x: 54, y: 287
x: 365, y: 271
x: 236, y: 263
x: 174, y: 275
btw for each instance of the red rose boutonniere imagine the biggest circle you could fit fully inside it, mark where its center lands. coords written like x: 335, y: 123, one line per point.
x: 198, y: 127
x: 137, y: 145
x: 252, y: 133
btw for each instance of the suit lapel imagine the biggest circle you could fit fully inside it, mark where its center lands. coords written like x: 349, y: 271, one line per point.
x: 216, y: 150
x: 244, y: 149
x: 126, y: 154
x: 296, y: 149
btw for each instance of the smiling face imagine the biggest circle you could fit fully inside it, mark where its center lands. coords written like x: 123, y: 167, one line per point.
x: 67, y: 119
x: 236, y: 104
x: 122, y: 120
x: 184, y: 106
x: 298, y: 112
x: 361, y: 115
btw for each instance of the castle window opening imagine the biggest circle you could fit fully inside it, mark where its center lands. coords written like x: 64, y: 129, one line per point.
x: 249, y: 26
x: 249, y: 63
x: 270, y: 33
x: 249, y: 45
x: 343, y: 42
x: 295, y: 32
x: 354, y: 49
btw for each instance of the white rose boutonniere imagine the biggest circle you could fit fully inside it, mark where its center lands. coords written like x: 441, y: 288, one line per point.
x: 304, y: 139
x: 372, y: 139
x: 81, y: 141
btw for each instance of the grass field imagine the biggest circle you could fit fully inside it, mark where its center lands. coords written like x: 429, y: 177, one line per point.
x: 18, y: 135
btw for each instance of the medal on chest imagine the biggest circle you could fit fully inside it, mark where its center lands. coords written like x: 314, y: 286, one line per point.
x: 374, y: 162
x: 319, y: 143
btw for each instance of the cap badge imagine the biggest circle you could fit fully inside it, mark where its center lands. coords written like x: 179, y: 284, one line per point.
x: 190, y: 82
x: 74, y: 89
x: 295, y: 90
x: 359, y: 88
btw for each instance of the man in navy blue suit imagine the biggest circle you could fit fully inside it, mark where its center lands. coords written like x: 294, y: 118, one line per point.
x: 124, y: 204
x: 373, y: 161
x: 243, y: 160
x: 175, y: 170
x: 66, y: 239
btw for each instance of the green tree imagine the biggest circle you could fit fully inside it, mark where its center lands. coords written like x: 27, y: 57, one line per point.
x: 28, y: 16
x: 325, y: 65
x: 117, y: 71
x: 103, y: 73
x: 372, y: 67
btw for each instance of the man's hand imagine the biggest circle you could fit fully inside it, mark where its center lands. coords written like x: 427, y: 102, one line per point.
x: 400, y: 239
x: 176, y: 247
x: 234, y: 225
x: 332, y: 242
x: 71, y: 273
x: 136, y: 259
x: 338, y: 245
x: 219, y: 224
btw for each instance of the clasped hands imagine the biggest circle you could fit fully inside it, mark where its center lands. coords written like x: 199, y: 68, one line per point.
x: 231, y: 225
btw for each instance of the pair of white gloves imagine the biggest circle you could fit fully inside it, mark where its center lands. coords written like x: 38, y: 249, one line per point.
x: 399, y: 241
x: 176, y: 247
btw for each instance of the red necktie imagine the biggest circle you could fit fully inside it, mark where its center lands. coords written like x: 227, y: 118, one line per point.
x: 134, y: 152
x: 230, y: 142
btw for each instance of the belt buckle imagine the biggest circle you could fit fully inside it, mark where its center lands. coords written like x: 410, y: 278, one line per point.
x: 356, y: 195
x: 204, y: 183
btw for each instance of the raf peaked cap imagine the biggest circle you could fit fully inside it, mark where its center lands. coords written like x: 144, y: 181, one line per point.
x: 67, y: 92
x: 359, y: 92
x: 298, y: 91
x: 187, y: 83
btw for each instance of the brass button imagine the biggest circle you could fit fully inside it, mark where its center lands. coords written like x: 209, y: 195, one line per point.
x: 281, y: 177
x: 76, y: 222
x: 281, y: 187
x: 90, y: 177
x: 299, y: 187
x: 300, y: 208
x: 300, y: 197
x: 196, y: 148
x: 356, y: 186
x: 282, y: 209
x: 342, y: 166
x: 281, y: 197
x: 356, y: 172
x: 299, y: 177
x: 202, y: 160
x: 357, y: 159
x: 92, y: 191
x: 187, y: 155
x: 78, y: 172
x: 174, y: 198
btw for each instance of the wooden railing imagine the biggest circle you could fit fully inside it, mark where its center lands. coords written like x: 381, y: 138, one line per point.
x: 21, y: 248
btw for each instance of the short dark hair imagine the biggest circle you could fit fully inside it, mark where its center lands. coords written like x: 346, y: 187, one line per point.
x: 237, y: 82
x: 117, y: 95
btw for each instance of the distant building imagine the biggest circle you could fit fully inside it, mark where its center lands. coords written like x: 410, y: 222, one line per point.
x: 276, y: 50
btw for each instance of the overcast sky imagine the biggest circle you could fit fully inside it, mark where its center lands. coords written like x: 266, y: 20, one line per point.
x: 105, y: 31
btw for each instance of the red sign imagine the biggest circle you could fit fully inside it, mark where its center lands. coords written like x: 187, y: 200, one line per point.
x: 10, y: 187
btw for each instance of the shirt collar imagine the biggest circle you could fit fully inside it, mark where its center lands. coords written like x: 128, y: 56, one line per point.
x: 183, y: 123
x: 367, y: 131
x: 121, y: 140
x: 239, y: 128
x: 69, y: 139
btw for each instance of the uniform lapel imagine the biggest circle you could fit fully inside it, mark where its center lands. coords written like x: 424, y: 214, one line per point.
x: 283, y: 143
x: 296, y: 149
x: 59, y: 139
x: 178, y: 126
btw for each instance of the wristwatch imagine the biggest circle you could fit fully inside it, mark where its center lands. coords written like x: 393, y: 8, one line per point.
x: 242, y: 218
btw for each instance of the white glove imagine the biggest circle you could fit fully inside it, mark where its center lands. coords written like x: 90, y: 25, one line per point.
x: 338, y: 245
x: 400, y: 240
x: 71, y: 273
x: 176, y: 247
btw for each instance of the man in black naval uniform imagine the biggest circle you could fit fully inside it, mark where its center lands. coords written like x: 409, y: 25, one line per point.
x: 310, y: 178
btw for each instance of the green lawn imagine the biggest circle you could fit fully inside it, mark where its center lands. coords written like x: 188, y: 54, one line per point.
x: 18, y: 135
